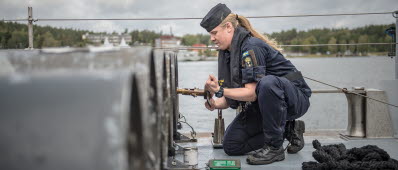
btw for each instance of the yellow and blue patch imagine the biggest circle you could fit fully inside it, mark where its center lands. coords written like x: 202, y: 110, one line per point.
x: 247, y: 60
x: 245, y: 54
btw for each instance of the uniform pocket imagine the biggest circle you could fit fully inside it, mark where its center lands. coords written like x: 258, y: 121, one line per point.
x: 259, y: 72
x: 247, y: 75
x: 252, y: 74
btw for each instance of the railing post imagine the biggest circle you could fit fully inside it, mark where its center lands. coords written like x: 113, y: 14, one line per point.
x: 30, y: 27
x: 396, y: 45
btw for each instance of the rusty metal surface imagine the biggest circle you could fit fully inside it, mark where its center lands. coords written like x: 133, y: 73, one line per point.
x: 193, y: 92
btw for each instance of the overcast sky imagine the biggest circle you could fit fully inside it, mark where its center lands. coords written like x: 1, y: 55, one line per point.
x: 17, y: 9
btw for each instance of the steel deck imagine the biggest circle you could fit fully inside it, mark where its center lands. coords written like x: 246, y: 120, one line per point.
x: 292, y: 161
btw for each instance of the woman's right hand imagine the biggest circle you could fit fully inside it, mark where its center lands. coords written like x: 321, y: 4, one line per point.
x: 212, y: 106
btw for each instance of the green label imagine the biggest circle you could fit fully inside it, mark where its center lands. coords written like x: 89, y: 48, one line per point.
x: 223, y: 163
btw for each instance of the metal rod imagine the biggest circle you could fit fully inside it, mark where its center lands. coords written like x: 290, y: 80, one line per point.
x: 327, y: 91
x: 293, y: 45
x: 30, y: 27
x: 193, y: 92
x: 396, y: 45
x: 199, y: 18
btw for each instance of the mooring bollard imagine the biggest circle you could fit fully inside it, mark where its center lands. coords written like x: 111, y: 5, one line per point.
x: 356, y: 113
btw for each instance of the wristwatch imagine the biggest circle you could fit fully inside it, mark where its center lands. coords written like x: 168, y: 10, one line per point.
x: 220, y: 92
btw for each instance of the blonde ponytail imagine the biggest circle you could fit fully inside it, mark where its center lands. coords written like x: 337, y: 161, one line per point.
x: 238, y: 20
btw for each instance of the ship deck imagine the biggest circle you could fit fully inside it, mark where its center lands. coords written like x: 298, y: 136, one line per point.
x: 292, y: 161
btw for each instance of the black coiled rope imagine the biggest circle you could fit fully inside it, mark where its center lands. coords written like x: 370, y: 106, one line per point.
x: 338, y: 157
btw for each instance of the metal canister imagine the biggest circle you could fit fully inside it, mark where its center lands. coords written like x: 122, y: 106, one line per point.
x: 191, y: 156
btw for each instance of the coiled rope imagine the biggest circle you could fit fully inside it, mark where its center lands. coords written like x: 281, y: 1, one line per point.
x: 336, y: 156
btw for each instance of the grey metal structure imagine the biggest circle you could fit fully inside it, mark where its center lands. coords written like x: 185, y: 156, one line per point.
x: 367, y: 118
x: 391, y: 86
x: 68, y: 121
x: 378, y: 123
x: 82, y: 110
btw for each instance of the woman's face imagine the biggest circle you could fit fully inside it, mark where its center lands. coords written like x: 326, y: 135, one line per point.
x: 222, y: 36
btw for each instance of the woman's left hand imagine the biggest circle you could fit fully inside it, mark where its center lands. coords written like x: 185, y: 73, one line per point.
x: 212, y: 84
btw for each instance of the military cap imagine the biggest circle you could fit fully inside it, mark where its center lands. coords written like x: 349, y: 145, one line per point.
x: 215, y: 16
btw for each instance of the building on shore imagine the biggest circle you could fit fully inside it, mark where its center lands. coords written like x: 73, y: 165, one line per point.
x: 115, y: 39
x: 167, y: 41
x: 199, y: 48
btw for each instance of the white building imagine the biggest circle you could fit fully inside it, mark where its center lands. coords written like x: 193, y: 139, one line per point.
x: 167, y: 41
x: 114, y: 39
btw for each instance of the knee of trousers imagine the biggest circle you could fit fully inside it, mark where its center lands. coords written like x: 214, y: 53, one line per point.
x: 232, y: 144
x: 233, y: 148
x: 267, y: 83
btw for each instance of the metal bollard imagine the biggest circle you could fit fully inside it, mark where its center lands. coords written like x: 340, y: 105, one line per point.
x: 219, y: 130
x: 356, y: 113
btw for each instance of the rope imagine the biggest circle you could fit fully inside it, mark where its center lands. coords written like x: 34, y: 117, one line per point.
x: 338, y: 157
x: 196, y: 18
x: 344, y: 90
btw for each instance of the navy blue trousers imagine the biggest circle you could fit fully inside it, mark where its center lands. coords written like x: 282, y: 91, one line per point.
x: 263, y: 122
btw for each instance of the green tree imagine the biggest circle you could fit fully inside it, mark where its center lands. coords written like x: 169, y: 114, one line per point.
x: 190, y: 39
x: 308, y: 41
x: 363, y: 48
x: 295, y: 41
x: 18, y: 40
x: 342, y: 48
x: 332, y: 48
x: 352, y: 48
x: 49, y: 41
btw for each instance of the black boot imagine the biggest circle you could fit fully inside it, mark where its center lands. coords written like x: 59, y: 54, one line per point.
x: 294, y: 134
x: 267, y: 155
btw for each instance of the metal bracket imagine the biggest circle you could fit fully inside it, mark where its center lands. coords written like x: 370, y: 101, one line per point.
x: 180, y: 138
x: 174, y: 164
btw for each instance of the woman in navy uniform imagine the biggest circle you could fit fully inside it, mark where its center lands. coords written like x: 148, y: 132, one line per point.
x: 254, y: 76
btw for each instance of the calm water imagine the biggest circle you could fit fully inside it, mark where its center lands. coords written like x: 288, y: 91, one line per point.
x: 327, y: 111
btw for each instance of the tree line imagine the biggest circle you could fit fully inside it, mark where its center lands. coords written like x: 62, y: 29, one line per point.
x: 15, y: 35
x: 366, y: 34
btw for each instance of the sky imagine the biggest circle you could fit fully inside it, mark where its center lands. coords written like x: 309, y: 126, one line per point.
x: 17, y: 9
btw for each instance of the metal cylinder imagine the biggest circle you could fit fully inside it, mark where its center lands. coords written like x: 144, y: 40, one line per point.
x: 30, y: 27
x: 219, y: 129
x: 356, y: 113
x: 191, y: 156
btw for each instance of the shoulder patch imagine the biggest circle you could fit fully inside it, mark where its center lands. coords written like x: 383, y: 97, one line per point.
x: 249, y: 59
x: 246, y: 60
